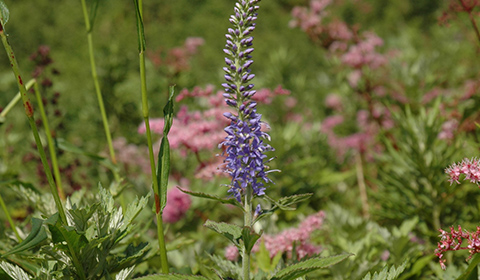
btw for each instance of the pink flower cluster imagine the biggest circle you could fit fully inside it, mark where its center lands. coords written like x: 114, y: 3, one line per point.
x: 452, y: 241
x: 468, y: 167
x: 362, y: 141
x: 177, y: 59
x: 287, y: 240
x: 178, y: 203
x: 203, y: 130
x: 131, y: 157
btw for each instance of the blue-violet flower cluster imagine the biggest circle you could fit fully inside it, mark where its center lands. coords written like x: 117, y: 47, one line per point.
x: 244, y: 146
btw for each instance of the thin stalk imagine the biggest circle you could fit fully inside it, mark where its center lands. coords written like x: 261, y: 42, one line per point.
x: 51, y: 146
x: 15, y: 100
x: 247, y: 223
x: 472, y: 18
x: 10, y: 220
x: 29, y: 112
x: 145, y: 113
x: 361, y: 185
x: 98, y: 90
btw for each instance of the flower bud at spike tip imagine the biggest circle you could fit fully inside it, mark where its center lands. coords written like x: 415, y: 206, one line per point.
x: 244, y: 147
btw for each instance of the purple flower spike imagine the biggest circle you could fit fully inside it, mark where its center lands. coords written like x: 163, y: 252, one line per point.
x: 244, y: 146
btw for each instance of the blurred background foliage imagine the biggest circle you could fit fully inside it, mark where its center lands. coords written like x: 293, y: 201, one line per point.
x: 408, y: 195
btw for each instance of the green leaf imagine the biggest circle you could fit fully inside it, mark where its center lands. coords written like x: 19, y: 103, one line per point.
x: 140, y: 31
x: 214, y: 197
x: 66, y: 146
x: 14, y: 271
x: 231, y: 232
x: 4, y: 14
x: 249, y: 238
x: 133, y: 209
x: 93, y: 14
x: 80, y: 216
x: 264, y: 261
x: 124, y: 274
x: 285, y: 202
x: 36, y: 236
x: 472, y: 269
x: 386, y: 274
x: 62, y: 233
x: 302, y: 268
x: 171, y: 276
x: 163, y: 166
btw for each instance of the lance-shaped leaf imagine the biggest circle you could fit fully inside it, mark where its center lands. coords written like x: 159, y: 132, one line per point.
x: 163, y: 166
x: 302, y: 268
x: 14, y: 271
x: 231, y: 232
x: 471, y: 272
x: 36, y: 236
x: 231, y: 200
x: 62, y: 233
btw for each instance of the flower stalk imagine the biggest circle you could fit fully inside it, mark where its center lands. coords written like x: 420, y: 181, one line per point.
x: 98, y: 91
x: 27, y: 104
x: 159, y: 194
x: 51, y: 146
x: 244, y: 145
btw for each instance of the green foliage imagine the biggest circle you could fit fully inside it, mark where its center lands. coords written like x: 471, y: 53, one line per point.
x: 4, y: 14
x: 386, y: 274
x: 304, y: 267
x: 163, y: 163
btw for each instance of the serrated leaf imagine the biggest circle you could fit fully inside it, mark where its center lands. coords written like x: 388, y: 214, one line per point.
x: 302, y: 268
x: 36, y: 236
x: 133, y: 255
x: 133, y: 209
x: 4, y: 14
x: 231, y: 232
x: 163, y: 166
x: 14, y: 271
x: 284, y: 202
x: 171, y: 276
x: 249, y: 238
x: 386, y: 274
x: 80, y: 216
x: 125, y: 273
x: 61, y: 233
x: 214, y: 197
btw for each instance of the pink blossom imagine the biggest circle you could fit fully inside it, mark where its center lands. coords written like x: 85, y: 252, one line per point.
x: 354, y: 77
x: 285, y: 241
x: 334, y: 101
x: 468, y: 167
x: 192, y: 43
x: 231, y: 253
x: 452, y: 241
x: 448, y: 130
x: 363, y: 53
x: 178, y: 203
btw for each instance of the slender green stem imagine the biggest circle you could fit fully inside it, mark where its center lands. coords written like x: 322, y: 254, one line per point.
x: 145, y: 113
x: 248, y: 223
x: 9, y: 218
x: 98, y: 90
x: 29, y: 112
x: 51, y: 146
x: 161, y: 244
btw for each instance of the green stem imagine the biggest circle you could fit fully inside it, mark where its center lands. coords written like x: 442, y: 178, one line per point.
x: 145, y: 113
x: 9, y: 218
x: 247, y: 223
x: 161, y: 244
x: 51, y: 146
x: 98, y: 90
x: 15, y: 100
x: 29, y: 112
